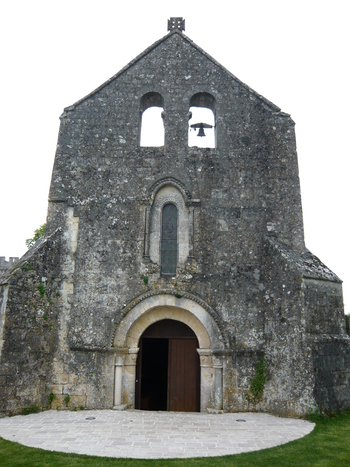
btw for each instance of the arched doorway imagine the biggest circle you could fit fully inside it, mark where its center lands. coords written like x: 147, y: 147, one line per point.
x: 168, y: 368
x: 191, y: 311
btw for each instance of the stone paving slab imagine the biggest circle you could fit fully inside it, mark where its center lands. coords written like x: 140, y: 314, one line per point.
x: 152, y: 435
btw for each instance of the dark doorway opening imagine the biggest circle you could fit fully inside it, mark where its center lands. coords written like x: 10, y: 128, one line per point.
x: 168, y: 370
x: 154, y: 374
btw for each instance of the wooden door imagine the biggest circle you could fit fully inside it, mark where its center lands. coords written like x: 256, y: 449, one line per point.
x: 167, y: 370
x: 183, y: 375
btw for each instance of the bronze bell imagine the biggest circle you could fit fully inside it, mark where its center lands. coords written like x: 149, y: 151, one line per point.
x: 201, y: 131
x: 201, y: 127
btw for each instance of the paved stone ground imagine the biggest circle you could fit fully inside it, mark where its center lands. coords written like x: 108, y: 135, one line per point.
x: 152, y: 435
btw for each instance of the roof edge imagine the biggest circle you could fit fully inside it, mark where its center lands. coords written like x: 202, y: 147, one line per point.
x: 120, y: 72
x: 308, y: 264
x: 274, y: 108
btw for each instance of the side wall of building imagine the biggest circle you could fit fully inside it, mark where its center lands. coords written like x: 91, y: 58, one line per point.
x: 288, y: 356
x: 30, y: 304
x: 329, y: 343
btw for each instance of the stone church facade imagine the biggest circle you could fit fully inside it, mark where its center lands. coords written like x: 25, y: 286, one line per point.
x: 168, y: 271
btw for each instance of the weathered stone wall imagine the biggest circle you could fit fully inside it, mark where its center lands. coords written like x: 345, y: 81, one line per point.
x: 30, y: 304
x: 86, y: 377
x: 325, y: 309
x: 287, y: 351
x: 101, y: 171
x: 331, y: 360
x: 246, y: 186
x: 6, y: 265
x: 329, y: 343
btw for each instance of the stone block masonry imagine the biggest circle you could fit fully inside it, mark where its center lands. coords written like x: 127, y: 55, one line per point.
x: 6, y: 265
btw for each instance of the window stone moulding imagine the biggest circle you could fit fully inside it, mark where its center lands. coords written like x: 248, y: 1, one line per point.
x: 169, y: 191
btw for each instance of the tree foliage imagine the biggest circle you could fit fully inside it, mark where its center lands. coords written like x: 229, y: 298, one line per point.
x: 37, y: 234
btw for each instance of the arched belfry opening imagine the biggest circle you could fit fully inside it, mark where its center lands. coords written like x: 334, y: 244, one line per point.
x: 168, y: 369
x: 202, y: 121
x: 151, y: 120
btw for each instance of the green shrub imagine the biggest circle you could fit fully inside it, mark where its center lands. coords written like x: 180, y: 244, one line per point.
x: 52, y: 397
x: 258, y: 382
x: 31, y: 409
x: 41, y: 289
x: 27, y: 267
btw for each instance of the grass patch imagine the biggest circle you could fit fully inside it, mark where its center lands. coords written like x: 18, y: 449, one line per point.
x: 327, y: 445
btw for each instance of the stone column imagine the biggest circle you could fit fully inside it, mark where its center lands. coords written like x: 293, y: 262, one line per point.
x: 118, y: 378
x: 218, y: 365
x: 207, y: 378
x: 118, y: 373
x: 129, y: 377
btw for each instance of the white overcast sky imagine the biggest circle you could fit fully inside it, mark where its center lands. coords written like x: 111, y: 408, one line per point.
x: 293, y: 52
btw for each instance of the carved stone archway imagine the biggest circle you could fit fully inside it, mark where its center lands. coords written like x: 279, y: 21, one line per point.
x: 186, y: 310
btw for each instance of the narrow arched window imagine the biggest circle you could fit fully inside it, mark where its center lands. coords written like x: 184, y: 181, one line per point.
x: 151, y: 120
x: 169, y: 239
x: 201, y: 125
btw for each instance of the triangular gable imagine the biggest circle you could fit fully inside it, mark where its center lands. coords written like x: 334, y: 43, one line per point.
x: 269, y: 104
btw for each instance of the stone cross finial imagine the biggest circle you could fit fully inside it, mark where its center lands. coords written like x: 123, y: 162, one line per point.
x: 176, y: 23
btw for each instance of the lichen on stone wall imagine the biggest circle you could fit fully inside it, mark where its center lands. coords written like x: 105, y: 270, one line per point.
x: 30, y: 328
